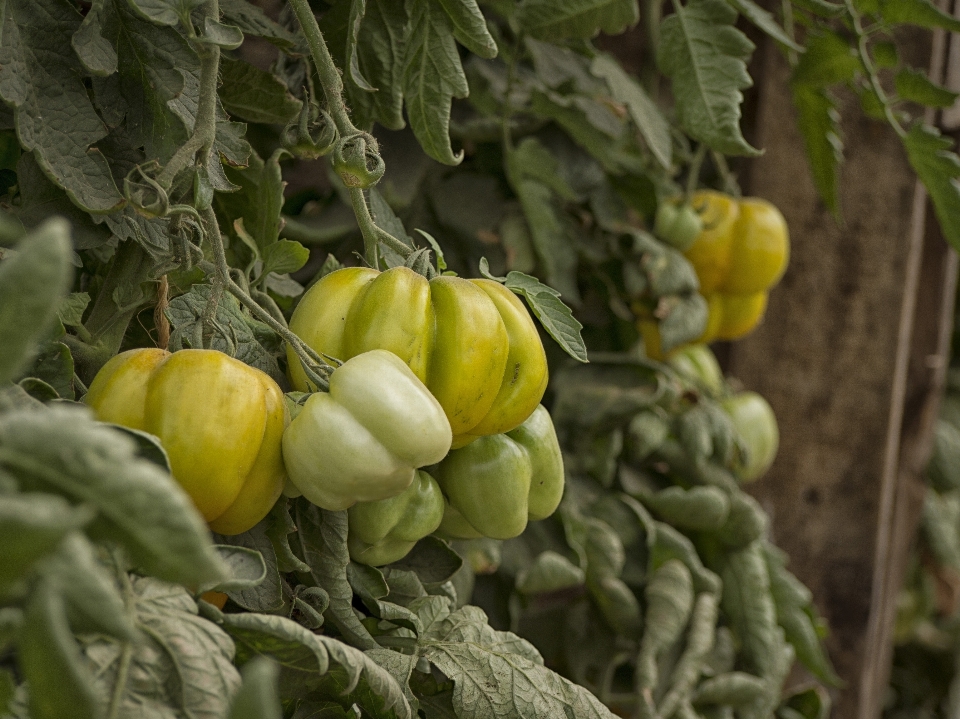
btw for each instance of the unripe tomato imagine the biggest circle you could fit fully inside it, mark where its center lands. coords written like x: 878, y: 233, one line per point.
x: 219, y: 420
x: 471, y: 342
x: 756, y: 423
x: 698, y: 363
x: 497, y: 484
x: 364, y: 439
x: 677, y: 224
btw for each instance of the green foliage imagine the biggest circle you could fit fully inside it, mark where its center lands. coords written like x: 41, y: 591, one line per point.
x: 535, y: 160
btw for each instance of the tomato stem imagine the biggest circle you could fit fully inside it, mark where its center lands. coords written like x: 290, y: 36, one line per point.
x: 332, y: 85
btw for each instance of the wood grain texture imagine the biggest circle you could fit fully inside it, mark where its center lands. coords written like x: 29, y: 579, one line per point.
x: 851, y: 357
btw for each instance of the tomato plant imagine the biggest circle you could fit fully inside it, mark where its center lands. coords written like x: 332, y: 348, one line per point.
x: 233, y: 183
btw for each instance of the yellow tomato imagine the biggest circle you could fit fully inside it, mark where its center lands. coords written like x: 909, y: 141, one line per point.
x: 471, y: 342
x: 219, y: 420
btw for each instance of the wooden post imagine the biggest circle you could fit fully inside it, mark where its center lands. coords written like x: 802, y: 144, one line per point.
x: 852, y: 357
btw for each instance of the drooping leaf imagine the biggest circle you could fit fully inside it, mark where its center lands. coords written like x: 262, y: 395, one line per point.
x: 749, y: 605
x: 183, y: 664
x: 766, y: 22
x: 32, y: 284
x: 432, y: 77
x: 62, y: 450
x: 914, y: 85
x: 563, y: 19
x: 158, y: 74
x: 932, y: 157
x: 253, y: 21
x: 323, y: 537
x: 470, y: 28
x: 315, y: 664
x: 166, y: 12
x: 254, y: 95
x: 829, y: 60
x: 267, y: 595
x: 95, y: 52
x: 922, y: 13
x: 557, y: 319
x: 53, y: 112
x: 381, y: 52
x: 533, y: 176
x: 499, y: 674
x: 643, y: 111
x: 705, y: 57
x: 819, y: 123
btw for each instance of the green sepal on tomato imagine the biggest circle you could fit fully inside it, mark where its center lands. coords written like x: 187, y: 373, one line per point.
x: 471, y: 342
x: 219, y: 420
x: 498, y: 483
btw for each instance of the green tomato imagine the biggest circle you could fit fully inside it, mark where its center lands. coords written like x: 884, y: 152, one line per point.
x: 364, y: 439
x: 219, y: 420
x: 677, y: 225
x: 385, y: 531
x: 498, y: 483
x: 698, y: 363
x: 756, y: 423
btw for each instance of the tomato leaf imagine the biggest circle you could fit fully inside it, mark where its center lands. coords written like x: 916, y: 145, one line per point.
x: 563, y: 19
x: 470, y: 28
x: 766, y: 22
x: 432, y: 560
x: 50, y: 660
x: 467, y: 650
x: 266, y: 595
x: 62, y: 450
x: 252, y: 21
x: 532, y: 172
x: 32, y: 285
x: 236, y: 333
x: 544, y: 301
x: 248, y: 569
x: 254, y: 95
x: 53, y: 112
x: 313, y: 664
x: 921, y: 13
x: 938, y: 167
x: 323, y: 538
x: 820, y: 125
x: 795, y: 613
x: 914, y: 85
x: 175, y: 642
x: 432, y: 77
x: 705, y: 56
x: 284, y: 256
x: 32, y: 526
x: 643, y: 110
x: 829, y: 60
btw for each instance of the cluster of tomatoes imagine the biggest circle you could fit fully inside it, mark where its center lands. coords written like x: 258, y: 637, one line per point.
x: 445, y: 374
